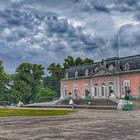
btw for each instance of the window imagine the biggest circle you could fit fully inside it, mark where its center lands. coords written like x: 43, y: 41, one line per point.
x: 127, y: 66
x: 110, y: 88
x: 67, y: 75
x: 102, y: 89
x: 96, y: 91
x: 91, y: 72
x: 65, y: 91
x: 126, y: 87
x: 76, y: 74
x: 96, y: 69
x: 86, y: 89
x: 75, y: 91
x: 111, y: 67
x: 86, y: 72
x: 139, y: 91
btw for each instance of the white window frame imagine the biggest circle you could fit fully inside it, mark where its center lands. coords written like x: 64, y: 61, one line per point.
x: 97, y: 94
x: 86, y: 87
x: 126, y: 83
x: 103, y: 90
x: 86, y: 72
x: 76, y: 73
x: 65, y: 93
x: 75, y: 87
x: 110, y: 84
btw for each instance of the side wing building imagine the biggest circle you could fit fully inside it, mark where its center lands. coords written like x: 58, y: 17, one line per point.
x: 117, y: 76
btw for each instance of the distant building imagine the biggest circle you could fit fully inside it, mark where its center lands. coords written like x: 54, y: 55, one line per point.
x: 117, y: 76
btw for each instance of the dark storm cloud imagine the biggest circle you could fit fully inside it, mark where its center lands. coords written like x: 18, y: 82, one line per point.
x: 28, y: 36
x: 46, y: 31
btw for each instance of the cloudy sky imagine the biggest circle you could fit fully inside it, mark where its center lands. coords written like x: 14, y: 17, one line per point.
x: 46, y: 31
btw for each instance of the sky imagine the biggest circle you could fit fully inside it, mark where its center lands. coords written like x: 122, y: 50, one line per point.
x: 47, y: 31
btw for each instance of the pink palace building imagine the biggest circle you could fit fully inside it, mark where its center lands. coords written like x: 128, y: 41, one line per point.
x: 113, y: 76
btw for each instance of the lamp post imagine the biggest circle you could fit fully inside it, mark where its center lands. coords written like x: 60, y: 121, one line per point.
x: 118, y: 67
x: 118, y: 44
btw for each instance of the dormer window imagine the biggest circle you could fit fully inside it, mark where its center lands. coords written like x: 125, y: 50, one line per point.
x: 127, y: 67
x: 96, y: 69
x: 76, y: 74
x: 66, y: 75
x: 111, y: 67
x: 91, y: 72
x: 86, y: 72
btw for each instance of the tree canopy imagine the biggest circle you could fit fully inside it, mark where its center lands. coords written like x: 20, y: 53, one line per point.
x: 3, y: 81
x: 26, y: 81
x: 29, y: 83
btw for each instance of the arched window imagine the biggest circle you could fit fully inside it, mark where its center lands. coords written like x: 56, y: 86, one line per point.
x: 65, y: 91
x: 96, y: 68
x: 127, y: 66
x: 86, y: 72
x: 75, y: 90
x: 95, y: 89
x: 110, y: 88
x: 91, y: 72
x: 76, y: 74
x: 111, y: 67
x: 66, y: 75
x: 103, y: 89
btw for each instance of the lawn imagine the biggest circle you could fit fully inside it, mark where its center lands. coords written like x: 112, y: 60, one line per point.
x: 33, y: 112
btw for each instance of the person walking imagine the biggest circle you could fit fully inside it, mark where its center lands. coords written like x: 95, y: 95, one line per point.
x: 71, y: 102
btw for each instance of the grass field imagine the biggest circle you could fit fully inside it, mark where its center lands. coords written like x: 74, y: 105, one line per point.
x: 32, y: 112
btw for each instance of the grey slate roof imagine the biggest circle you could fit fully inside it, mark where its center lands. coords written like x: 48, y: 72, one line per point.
x: 133, y: 63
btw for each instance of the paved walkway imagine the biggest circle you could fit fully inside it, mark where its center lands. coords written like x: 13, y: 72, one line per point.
x: 81, y: 125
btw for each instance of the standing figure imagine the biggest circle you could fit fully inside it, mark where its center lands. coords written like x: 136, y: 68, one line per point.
x: 71, y: 102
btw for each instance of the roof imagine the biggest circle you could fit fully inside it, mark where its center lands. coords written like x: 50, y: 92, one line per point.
x: 114, y: 64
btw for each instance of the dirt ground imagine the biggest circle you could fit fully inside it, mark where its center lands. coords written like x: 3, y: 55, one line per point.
x: 81, y: 125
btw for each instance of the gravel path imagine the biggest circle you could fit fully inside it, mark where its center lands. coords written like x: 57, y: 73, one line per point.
x: 81, y: 125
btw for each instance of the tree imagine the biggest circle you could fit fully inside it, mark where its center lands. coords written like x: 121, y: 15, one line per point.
x: 88, y: 61
x: 3, y: 82
x: 56, y: 71
x: 52, y: 83
x: 78, y: 61
x: 20, y: 91
x: 69, y: 61
x: 26, y: 82
x: 45, y: 94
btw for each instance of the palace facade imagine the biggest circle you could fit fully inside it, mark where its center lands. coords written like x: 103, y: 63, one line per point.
x: 113, y: 76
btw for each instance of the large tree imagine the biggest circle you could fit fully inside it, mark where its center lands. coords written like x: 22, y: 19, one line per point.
x: 87, y: 61
x: 52, y: 83
x: 71, y: 61
x: 68, y: 61
x: 56, y: 71
x: 26, y: 81
x: 45, y: 94
x: 3, y: 82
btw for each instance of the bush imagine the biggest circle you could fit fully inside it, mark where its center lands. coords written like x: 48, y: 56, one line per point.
x: 45, y: 94
x: 127, y: 97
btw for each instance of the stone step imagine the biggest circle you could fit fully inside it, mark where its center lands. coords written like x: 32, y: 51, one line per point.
x: 101, y: 102
x: 113, y: 107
